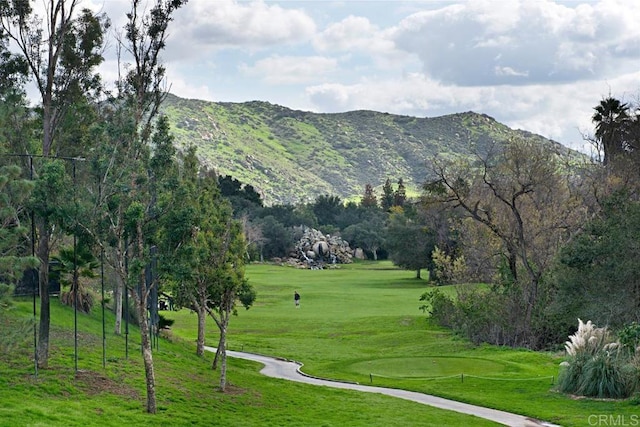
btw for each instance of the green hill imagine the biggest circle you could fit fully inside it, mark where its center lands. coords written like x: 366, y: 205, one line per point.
x: 293, y: 156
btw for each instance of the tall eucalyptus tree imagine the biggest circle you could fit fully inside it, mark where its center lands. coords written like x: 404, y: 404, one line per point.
x: 126, y: 170
x: 61, y: 50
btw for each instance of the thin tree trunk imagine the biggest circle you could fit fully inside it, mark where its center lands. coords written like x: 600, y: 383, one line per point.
x: 223, y: 357
x: 45, y: 309
x: 216, y: 358
x: 202, y: 321
x: 147, y: 356
x: 117, y: 296
x: 141, y: 300
x: 120, y: 265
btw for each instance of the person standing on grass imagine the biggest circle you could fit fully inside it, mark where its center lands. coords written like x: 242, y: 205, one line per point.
x: 296, y: 299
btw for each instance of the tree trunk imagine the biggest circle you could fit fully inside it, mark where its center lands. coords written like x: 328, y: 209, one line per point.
x: 147, y: 356
x: 223, y: 357
x: 120, y: 265
x: 117, y: 297
x: 418, y: 274
x: 141, y: 300
x: 216, y: 357
x: 45, y: 309
x: 202, y: 321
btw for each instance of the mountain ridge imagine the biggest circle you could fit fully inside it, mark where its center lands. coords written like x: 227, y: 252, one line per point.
x: 293, y: 156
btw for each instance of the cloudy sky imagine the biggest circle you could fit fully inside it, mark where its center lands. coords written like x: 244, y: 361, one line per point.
x: 538, y: 65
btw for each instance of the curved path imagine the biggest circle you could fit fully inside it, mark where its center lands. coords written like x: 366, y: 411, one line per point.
x: 286, y: 369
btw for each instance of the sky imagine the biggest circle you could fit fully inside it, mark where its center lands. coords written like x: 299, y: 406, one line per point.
x: 536, y: 65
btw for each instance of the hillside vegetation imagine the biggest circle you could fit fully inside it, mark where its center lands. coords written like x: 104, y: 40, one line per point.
x: 294, y: 156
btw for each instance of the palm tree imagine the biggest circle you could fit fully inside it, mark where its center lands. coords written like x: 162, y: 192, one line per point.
x: 611, y: 117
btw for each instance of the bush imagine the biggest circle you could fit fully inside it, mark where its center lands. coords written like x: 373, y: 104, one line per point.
x: 629, y: 336
x: 440, y: 308
x: 480, y: 316
x: 86, y: 299
x: 448, y: 269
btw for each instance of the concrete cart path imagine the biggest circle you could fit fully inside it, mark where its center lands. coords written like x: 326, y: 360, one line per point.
x: 289, y: 370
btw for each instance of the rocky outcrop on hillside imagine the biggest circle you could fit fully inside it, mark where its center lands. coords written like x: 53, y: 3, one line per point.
x: 316, y: 250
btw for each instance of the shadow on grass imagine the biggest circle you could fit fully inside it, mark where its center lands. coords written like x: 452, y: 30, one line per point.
x: 411, y: 283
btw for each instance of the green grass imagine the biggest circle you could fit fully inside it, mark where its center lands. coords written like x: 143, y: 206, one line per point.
x: 358, y: 323
x: 362, y: 323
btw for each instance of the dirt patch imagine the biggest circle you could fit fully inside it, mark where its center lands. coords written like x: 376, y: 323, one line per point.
x: 233, y: 390
x: 94, y: 383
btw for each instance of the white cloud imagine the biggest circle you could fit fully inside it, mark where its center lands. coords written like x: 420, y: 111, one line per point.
x: 230, y: 23
x: 358, y: 37
x: 280, y: 70
x: 463, y: 44
x: 561, y: 112
x: 187, y: 89
x: 508, y: 71
x: 354, y: 33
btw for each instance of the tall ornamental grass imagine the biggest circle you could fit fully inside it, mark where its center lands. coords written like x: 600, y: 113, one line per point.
x: 596, y: 365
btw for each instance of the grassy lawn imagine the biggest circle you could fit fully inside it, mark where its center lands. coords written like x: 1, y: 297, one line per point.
x: 359, y: 323
x: 362, y: 323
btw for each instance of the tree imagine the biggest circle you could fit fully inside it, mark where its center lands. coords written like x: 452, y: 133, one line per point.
x: 289, y: 215
x: 14, y: 112
x: 369, y: 200
x: 327, y: 208
x: 229, y: 286
x: 61, y: 59
x: 596, y: 274
x: 400, y: 195
x: 409, y: 241
x: 386, y: 201
x: 367, y: 235
x: 277, y: 239
x: 127, y: 175
x: 610, y: 119
x: 254, y: 238
x: 73, y: 264
x: 208, y: 250
x: 52, y: 203
x: 519, y: 195
x: 14, y: 192
x: 243, y: 197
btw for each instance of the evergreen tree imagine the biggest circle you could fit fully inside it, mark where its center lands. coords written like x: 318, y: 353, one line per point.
x: 400, y: 195
x: 369, y: 200
x: 13, y: 238
x: 387, y: 199
x: 327, y: 208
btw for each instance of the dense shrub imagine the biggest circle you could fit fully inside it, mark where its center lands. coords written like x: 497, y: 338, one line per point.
x: 440, y: 308
x: 448, y: 269
x: 629, y: 336
x: 481, y: 316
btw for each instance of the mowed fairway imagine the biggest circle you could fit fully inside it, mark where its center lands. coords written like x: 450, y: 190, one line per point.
x: 359, y: 323
x: 362, y: 323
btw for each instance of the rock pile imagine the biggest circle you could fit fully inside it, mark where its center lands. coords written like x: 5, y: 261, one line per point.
x: 316, y: 250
